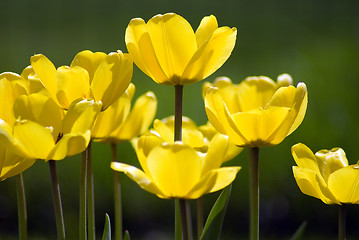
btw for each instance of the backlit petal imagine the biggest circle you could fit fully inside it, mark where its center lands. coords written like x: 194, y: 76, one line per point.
x: 344, y: 183
x: 89, y: 61
x: 112, y: 78
x: 299, y: 106
x: 217, y: 150
x: 205, y: 29
x: 176, y: 168
x: 224, y: 177
x: 331, y: 161
x: 304, y: 157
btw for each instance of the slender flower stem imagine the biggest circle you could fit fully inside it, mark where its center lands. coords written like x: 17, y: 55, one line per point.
x: 21, y: 206
x: 60, y: 224
x: 91, y: 196
x: 117, y: 196
x: 184, y: 218
x: 254, y: 192
x: 83, y: 196
x: 342, y: 222
x: 199, y: 217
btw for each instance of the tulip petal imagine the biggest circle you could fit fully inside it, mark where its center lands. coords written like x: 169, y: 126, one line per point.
x: 331, y: 161
x: 35, y: 138
x: 139, y: 177
x: 80, y: 117
x: 46, y: 72
x: 176, y: 169
x: 112, y: 78
x: 224, y: 177
x: 344, y: 184
x: 304, y: 157
x: 299, y: 105
x: 313, y: 185
x: 139, y: 119
x: 139, y: 45
x: 217, y: 149
x: 40, y: 108
x: 70, y: 144
x: 211, y: 55
x: 88, y: 60
x: 12, y: 164
x: 73, y: 83
x: 205, y: 29
x: 174, y: 43
x: 218, y: 115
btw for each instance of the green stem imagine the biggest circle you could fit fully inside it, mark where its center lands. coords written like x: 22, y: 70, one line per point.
x: 184, y: 218
x: 199, y: 217
x: 254, y: 192
x: 117, y: 196
x: 21, y: 206
x: 342, y: 222
x: 83, y: 196
x: 91, y: 197
x: 60, y: 224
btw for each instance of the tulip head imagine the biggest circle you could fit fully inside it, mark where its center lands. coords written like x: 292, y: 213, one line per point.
x: 258, y: 111
x: 176, y: 170
x: 326, y: 175
x: 168, y: 50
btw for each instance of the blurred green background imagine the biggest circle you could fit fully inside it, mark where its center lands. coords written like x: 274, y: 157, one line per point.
x: 317, y: 42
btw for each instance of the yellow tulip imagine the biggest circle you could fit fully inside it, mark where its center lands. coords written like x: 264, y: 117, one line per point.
x: 258, y: 111
x: 199, y: 138
x: 93, y: 76
x: 43, y: 131
x: 176, y: 170
x: 117, y: 123
x: 326, y: 175
x: 168, y: 50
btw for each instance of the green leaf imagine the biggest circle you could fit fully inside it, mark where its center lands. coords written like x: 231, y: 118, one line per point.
x: 126, y: 236
x: 107, y: 229
x: 213, y: 227
x: 299, y: 233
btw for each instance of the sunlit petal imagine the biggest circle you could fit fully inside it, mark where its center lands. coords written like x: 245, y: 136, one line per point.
x: 89, y: 61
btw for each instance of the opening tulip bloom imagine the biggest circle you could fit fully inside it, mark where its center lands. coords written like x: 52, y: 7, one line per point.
x: 117, y: 123
x: 168, y: 50
x: 176, y: 170
x: 326, y: 175
x: 93, y: 76
x: 258, y: 111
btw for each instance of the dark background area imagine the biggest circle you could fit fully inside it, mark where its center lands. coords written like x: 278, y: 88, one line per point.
x: 317, y: 42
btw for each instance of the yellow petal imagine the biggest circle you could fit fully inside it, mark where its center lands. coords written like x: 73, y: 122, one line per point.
x: 224, y: 177
x: 137, y: 176
x: 255, y: 92
x: 109, y: 120
x: 89, y: 61
x: 112, y: 78
x: 217, y: 149
x: 211, y: 55
x: 205, y: 29
x: 12, y: 164
x: 299, y: 106
x: 34, y: 81
x: 344, y: 184
x: 46, y: 72
x: 313, y: 185
x: 304, y: 157
x: 176, y: 169
x: 70, y: 144
x: 218, y: 115
x: 331, y: 161
x: 139, y: 119
x: 80, y: 117
x: 73, y: 83
x: 174, y: 43
x: 35, y: 138
x: 163, y: 131
x: 41, y: 109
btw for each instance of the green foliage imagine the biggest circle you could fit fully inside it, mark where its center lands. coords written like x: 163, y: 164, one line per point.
x: 299, y: 233
x: 107, y: 229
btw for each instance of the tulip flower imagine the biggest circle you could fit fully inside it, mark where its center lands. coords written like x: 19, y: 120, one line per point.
x: 119, y: 123
x: 258, y: 111
x: 176, y: 170
x: 326, y: 175
x: 168, y: 50
x: 43, y: 131
x: 93, y: 76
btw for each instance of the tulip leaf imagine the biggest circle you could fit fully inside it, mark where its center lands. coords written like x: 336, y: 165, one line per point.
x: 299, y: 233
x: 107, y: 229
x: 213, y: 227
x: 126, y: 236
